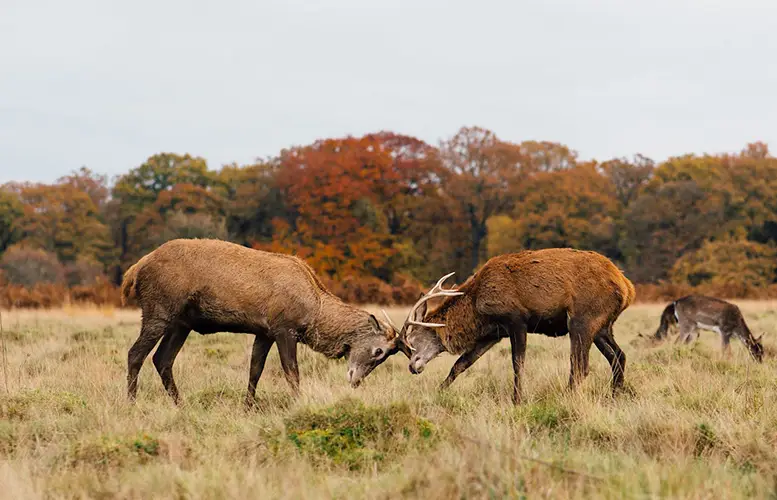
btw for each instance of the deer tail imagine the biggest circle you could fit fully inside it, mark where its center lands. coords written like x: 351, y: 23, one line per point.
x: 129, y: 285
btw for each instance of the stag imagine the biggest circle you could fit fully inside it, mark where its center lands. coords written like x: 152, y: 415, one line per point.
x: 554, y: 292
x: 699, y: 312
x: 211, y: 286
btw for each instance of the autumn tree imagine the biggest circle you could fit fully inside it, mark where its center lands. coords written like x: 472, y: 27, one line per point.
x: 545, y: 156
x: 333, y: 190
x: 252, y: 199
x: 480, y: 170
x: 139, y: 189
x: 93, y: 184
x: 576, y: 207
x: 27, y: 266
x: 628, y: 176
x: 174, y: 214
x: 728, y: 262
x: 63, y: 220
x: 665, y: 222
x: 11, y: 212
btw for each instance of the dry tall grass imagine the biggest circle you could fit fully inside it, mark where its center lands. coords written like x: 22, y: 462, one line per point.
x: 691, y: 425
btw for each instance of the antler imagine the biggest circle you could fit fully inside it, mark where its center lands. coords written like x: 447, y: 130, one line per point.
x: 388, y: 318
x: 436, y: 291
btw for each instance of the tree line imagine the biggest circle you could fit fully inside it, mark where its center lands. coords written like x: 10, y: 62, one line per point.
x: 378, y: 216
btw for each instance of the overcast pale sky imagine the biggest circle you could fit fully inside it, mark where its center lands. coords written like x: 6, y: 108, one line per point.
x: 106, y: 84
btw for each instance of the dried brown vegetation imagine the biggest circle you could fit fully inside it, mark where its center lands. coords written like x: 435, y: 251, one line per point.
x: 694, y: 425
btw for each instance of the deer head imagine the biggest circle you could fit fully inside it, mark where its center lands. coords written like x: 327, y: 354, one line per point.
x: 376, y: 342
x: 419, y: 337
x: 757, y: 348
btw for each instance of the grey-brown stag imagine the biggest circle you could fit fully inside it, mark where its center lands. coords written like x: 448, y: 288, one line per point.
x: 211, y: 286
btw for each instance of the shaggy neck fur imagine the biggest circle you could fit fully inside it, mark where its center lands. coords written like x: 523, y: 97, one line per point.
x: 337, y: 325
x: 462, y: 323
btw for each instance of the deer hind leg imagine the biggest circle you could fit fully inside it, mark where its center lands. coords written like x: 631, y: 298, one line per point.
x: 151, y: 331
x: 165, y: 355
x: 468, y: 359
x: 605, y: 342
x: 262, y: 345
x: 581, y: 335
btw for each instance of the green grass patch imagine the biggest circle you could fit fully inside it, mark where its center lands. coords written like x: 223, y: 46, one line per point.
x: 355, y: 436
x: 112, y: 451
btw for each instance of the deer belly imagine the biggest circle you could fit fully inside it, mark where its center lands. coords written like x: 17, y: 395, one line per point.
x: 551, y: 327
x: 711, y: 328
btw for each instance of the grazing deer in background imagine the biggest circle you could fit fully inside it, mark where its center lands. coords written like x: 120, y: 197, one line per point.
x: 554, y: 292
x: 695, y: 312
x: 214, y: 286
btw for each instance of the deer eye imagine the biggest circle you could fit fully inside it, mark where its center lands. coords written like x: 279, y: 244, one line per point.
x: 377, y: 352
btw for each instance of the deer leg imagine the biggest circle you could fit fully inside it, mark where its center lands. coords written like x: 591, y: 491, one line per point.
x: 467, y: 359
x: 151, y: 331
x: 725, y: 343
x: 287, y: 348
x: 605, y: 342
x: 581, y: 338
x: 165, y: 355
x: 686, y: 329
x: 262, y: 344
x: 518, y: 345
x: 694, y: 335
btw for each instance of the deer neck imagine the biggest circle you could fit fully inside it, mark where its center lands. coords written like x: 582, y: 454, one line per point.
x: 336, y: 326
x: 461, y: 329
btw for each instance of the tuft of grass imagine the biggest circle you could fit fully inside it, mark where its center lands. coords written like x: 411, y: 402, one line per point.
x: 109, y: 451
x: 547, y: 414
x: 705, y: 439
x: 28, y: 404
x: 356, y: 436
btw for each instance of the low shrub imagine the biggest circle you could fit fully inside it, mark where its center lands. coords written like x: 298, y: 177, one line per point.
x: 357, y: 437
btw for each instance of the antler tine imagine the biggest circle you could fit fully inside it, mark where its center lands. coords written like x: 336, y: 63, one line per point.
x: 436, y: 291
x: 388, y: 318
x: 438, y: 285
x: 430, y: 325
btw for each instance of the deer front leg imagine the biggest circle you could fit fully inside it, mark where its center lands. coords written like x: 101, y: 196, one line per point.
x: 518, y: 344
x: 467, y: 359
x: 287, y: 348
x: 686, y: 330
x: 262, y: 345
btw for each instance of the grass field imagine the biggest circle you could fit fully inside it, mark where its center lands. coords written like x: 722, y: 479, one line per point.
x: 690, y: 425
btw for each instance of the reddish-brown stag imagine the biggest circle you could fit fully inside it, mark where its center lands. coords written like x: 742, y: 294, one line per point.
x: 554, y: 292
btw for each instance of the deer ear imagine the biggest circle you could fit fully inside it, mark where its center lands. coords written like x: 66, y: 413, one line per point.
x: 374, y: 322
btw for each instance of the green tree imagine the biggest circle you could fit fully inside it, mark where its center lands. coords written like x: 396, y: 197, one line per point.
x: 666, y: 221
x: 11, y: 212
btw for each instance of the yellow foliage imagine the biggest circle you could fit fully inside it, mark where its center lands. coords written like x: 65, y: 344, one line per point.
x: 731, y: 261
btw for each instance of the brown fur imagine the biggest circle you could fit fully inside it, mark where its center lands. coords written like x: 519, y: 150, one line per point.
x: 694, y: 312
x: 214, y: 286
x: 553, y: 292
